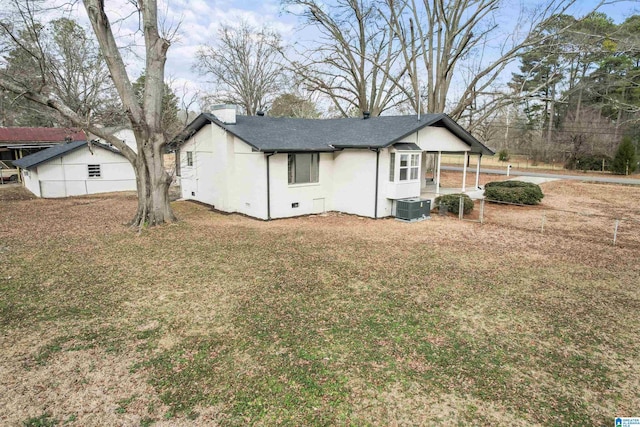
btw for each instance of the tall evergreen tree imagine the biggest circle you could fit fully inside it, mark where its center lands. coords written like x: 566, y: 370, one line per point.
x: 625, y: 161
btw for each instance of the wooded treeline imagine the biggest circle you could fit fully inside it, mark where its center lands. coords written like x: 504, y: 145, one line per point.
x: 576, y: 95
x: 557, y: 88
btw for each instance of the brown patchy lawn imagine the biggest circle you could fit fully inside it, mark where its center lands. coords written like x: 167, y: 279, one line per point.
x: 318, y: 320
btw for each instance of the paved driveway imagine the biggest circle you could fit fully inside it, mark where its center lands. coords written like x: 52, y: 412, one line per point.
x: 588, y: 178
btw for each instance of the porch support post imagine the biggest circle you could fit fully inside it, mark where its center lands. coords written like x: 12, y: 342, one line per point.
x: 438, y: 173
x: 19, y: 172
x: 478, y: 171
x: 464, y: 171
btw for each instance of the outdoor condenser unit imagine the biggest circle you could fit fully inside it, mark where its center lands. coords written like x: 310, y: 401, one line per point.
x: 412, y: 209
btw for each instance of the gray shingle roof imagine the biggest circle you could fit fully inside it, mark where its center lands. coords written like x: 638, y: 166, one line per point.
x: 51, y: 153
x: 271, y: 134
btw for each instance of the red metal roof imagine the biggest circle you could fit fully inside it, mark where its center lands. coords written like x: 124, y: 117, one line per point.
x: 10, y: 136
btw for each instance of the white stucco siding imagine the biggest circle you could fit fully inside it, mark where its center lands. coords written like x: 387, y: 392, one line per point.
x: 226, y: 173
x: 354, y: 182
x: 196, y: 179
x: 240, y: 146
x: 224, y: 164
x: 187, y: 173
x: 248, y: 185
x: 289, y: 200
x: 437, y: 139
x: 384, y: 204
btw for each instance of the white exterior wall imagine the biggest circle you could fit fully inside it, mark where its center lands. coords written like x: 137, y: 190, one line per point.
x: 354, y: 177
x: 312, y: 198
x: 437, y: 139
x: 31, y: 181
x: 247, y: 190
x: 226, y: 173
x: 68, y: 175
x: 197, y: 180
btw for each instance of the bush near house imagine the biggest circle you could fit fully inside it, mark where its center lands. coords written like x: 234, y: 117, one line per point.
x: 452, y: 202
x: 524, y: 193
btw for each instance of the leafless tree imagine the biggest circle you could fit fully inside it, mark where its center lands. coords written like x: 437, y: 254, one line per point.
x: 146, y: 118
x: 356, y: 60
x: 293, y: 105
x: 588, y: 134
x: 440, y: 35
x: 60, y: 55
x: 243, y: 66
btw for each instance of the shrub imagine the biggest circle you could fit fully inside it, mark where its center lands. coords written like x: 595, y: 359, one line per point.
x: 452, y: 202
x: 524, y: 193
x: 503, y: 156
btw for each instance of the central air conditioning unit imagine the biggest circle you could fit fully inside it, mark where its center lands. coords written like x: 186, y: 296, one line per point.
x: 413, y: 209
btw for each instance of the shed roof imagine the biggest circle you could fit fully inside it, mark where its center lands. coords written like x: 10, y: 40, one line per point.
x: 21, y: 136
x: 270, y: 134
x: 56, y: 151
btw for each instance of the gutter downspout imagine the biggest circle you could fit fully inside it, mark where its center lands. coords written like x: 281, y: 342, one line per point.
x: 375, y: 206
x: 269, y: 186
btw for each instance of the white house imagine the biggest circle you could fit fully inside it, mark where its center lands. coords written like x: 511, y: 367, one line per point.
x: 269, y: 167
x: 76, y: 168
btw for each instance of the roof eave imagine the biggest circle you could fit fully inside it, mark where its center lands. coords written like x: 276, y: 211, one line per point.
x: 57, y: 155
x: 424, y: 124
x: 300, y: 150
x: 467, y: 137
x: 453, y: 127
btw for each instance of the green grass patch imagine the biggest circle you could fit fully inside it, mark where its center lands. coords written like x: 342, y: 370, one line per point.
x: 44, y: 420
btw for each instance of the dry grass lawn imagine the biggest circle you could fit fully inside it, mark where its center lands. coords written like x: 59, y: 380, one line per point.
x: 321, y: 320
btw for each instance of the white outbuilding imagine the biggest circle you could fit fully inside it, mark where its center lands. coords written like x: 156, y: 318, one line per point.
x: 76, y: 168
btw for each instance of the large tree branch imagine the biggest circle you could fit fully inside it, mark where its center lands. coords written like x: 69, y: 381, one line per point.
x: 109, y: 48
x: 52, y: 100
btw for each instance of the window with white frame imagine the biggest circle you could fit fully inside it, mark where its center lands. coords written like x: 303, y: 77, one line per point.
x: 94, y: 171
x: 392, y: 167
x: 304, y: 168
x: 414, y: 167
x: 407, y: 166
x: 189, y: 158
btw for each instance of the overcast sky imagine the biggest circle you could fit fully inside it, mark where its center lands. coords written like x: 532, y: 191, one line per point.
x: 200, y: 19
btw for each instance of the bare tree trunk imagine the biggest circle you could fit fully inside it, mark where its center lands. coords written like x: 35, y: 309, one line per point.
x: 551, y: 114
x: 151, y: 178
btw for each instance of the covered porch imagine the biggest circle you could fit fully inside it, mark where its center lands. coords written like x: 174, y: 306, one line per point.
x: 431, y: 184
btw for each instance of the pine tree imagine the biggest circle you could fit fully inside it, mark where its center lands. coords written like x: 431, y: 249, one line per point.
x: 624, y: 162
